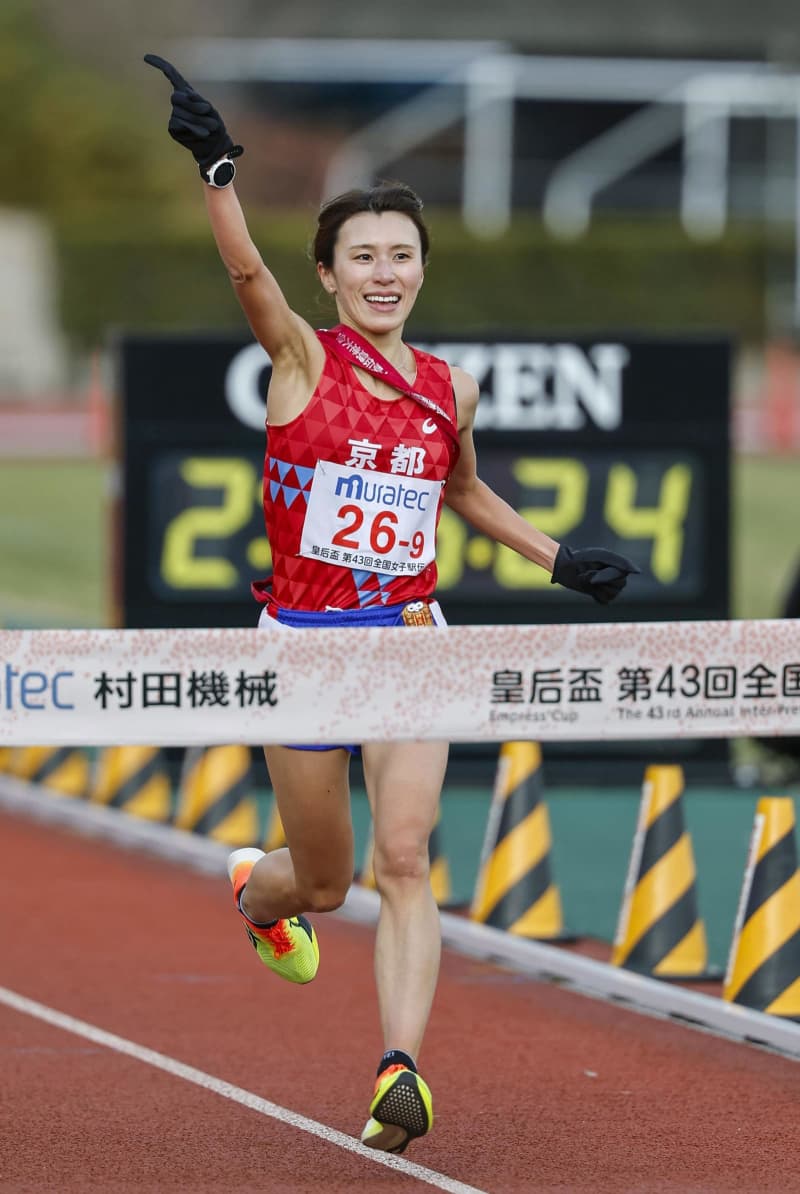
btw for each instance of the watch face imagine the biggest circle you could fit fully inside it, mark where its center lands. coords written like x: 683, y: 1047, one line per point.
x: 222, y: 174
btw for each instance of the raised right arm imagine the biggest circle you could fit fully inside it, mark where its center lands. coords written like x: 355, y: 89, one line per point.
x: 297, y: 356
x: 289, y: 340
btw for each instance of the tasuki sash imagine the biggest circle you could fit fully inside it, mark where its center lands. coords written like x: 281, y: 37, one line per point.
x: 348, y: 345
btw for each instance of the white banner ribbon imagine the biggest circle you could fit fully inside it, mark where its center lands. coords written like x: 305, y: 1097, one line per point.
x: 463, y: 683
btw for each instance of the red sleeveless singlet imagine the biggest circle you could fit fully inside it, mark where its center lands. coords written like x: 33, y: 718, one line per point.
x: 366, y: 446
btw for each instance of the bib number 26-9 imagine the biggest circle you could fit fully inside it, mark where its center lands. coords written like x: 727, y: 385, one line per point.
x: 372, y: 520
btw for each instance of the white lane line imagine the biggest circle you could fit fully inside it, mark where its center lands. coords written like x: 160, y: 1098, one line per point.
x: 244, y: 1097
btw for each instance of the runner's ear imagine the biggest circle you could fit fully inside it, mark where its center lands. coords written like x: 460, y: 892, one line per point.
x: 324, y: 280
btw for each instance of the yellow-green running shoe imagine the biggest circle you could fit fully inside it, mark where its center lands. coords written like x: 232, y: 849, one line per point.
x: 401, y: 1108
x: 289, y: 947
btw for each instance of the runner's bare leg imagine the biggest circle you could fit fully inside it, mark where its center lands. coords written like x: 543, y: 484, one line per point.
x: 315, y: 872
x: 404, y: 783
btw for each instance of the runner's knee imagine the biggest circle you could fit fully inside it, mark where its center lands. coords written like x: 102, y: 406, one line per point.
x: 324, y: 888
x: 401, y: 859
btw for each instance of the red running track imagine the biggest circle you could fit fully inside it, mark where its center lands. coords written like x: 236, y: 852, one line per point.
x: 536, y: 1089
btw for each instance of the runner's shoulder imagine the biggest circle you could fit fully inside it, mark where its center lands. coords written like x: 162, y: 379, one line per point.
x: 467, y: 392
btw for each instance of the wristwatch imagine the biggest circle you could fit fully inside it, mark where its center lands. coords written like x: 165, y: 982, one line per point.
x: 220, y: 174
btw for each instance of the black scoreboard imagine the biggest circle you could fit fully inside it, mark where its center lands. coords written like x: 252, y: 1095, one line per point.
x: 611, y: 441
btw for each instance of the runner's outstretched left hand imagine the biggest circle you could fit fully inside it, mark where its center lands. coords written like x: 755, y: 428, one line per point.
x: 599, y: 573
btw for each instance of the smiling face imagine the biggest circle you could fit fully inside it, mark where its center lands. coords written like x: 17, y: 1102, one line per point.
x: 377, y: 270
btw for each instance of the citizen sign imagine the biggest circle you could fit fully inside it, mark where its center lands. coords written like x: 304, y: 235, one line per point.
x: 542, y: 387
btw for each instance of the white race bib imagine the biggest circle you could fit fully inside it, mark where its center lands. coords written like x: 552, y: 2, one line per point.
x: 360, y: 518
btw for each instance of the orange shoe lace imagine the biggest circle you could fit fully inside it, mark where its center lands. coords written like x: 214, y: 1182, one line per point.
x: 279, y: 939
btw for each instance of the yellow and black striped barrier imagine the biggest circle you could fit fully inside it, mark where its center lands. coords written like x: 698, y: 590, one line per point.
x: 366, y: 875
x: 61, y: 769
x: 659, y: 931
x: 275, y: 837
x: 134, y: 779
x: 515, y: 890
x: 216, y: 796
x: 441, y: 885
x: 764, y: 962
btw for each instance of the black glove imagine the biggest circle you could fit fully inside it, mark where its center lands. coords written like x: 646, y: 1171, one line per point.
x: 592, y: 570
x: 194, y: 123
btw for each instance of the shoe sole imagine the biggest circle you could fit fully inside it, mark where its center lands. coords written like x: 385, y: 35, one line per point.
x: 390, y: 1139
x: 402, y: 1115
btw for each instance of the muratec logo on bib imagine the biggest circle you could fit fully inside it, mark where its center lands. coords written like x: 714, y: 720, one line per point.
x: 358, y: 488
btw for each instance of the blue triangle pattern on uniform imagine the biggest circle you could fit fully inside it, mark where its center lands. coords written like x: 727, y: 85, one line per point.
x: 359, y: 577
x: 304, y: 475
x: 290, y: 492
x: 367, y: 596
